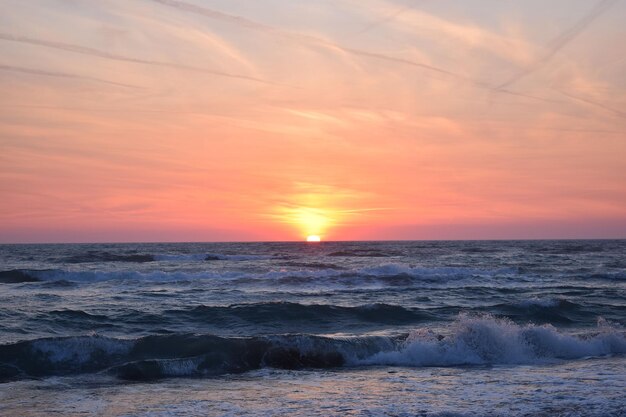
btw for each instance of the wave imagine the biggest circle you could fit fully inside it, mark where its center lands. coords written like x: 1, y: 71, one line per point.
x: 367, y: 253
x: 487, y: 341
x: 16, y: 276
x: 480, y: 249
x: 470, y: 340
x: 168, y: 257
x: 256, y: 318
x: 545, y: 310
x: 93, y: 256
x: 389, y: 274
x: 314, y: 265
x: 208, y: 257
x: 610, y: 276
x: 316, y: 314
x: 565, y: 248
x: 104, y: 256
x: 279, y: 316
x: 302, y: 275
x: 531, y: 303
x: 77, y: 315
x: 64, y: 277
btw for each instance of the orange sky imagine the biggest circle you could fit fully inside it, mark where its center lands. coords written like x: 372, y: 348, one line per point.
x: 213, y: 120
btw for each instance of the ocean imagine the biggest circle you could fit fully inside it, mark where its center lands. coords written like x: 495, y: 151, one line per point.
x: 411, y: 328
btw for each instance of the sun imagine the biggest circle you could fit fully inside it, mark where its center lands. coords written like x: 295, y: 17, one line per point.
x: 313, y: 238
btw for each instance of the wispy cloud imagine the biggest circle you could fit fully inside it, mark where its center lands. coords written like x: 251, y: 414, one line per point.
x: 594, y: 103
x: 388, y: 18
x: 297, y: 37
x: 561, y: 41
x: 401, y: 126
x: 320, y: 42
x: 78, y: 49
x: 46, y: 73
x: 444, y: 32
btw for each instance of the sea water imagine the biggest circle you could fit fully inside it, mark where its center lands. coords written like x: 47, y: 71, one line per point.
x: 471, y: 328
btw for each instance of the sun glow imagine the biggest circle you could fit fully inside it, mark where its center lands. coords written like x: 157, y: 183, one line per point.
x: 316, y: 210
x: 312, y: 222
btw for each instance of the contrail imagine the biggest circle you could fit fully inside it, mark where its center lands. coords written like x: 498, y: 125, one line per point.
x: 306, y: 39
x: 319, y: 42
x: 214, y: 14
x: 61, y: 75
x: 106, y: 55
x: 595, y: 103
x: 388, y: 58
x: 383, y: 20
x: 561, y: 41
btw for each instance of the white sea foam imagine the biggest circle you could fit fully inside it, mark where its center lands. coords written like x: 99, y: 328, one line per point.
x: 486, y: 340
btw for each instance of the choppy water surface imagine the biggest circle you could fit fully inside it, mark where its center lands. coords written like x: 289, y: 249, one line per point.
x: 334, y: 328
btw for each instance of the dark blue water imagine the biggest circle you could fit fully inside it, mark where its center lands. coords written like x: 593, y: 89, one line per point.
x: 152, y: 312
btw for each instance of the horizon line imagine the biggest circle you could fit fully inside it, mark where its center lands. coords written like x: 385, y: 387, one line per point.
x: 312, y: 243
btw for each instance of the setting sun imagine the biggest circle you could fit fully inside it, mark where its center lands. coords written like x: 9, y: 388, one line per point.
x: 424, y: 151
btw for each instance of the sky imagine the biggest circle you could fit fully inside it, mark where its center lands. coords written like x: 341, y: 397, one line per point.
x: 265, y: 120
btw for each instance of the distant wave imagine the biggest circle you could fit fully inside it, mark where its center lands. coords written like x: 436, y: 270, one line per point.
x: 93, y: 256
x: 178, y: 257
x: 610, y: 276
x: 16, y: 276
x: 564, y: 248
x: 77, y: 315
x: 103, y: 256
x: 544, y: 310
x: 469, y: 341
x: 389, y: 274
x: 313, y: 265
x: 279, y: 316
x: 208, y: 257
x: 281, y: 312
x: 251, y: 318
x: 372, y: 253
x: 302, y: 275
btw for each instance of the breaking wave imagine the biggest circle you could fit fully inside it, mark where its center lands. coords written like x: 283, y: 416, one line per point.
x: 469, y: 340
x: 488, y: 341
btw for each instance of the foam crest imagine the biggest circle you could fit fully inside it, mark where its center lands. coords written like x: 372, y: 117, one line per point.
x: 486, y: 340
x: 470, y: 341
